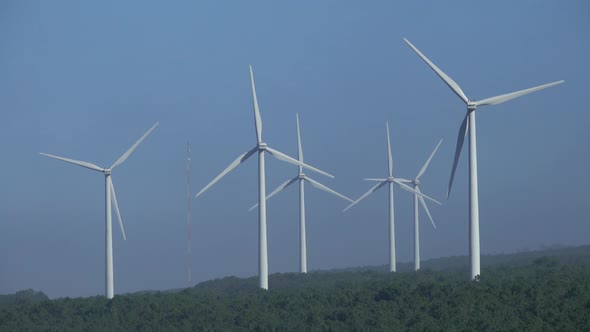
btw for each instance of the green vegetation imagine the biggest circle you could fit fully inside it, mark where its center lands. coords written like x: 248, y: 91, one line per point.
x: 24, y: 296
x: 523, y: 292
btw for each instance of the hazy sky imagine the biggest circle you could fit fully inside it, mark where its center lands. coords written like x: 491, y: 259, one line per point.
x: 86, y: 79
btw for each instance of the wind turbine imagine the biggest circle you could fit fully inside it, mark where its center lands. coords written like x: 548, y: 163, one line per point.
x: 261, y: 148
x: 302, y: 178
x: 416, y: 184
x: 109, y: 197
x: 390, y: 180
x: 468, y: 124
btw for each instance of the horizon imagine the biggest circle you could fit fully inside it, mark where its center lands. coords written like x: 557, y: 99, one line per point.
x: 405, y: 267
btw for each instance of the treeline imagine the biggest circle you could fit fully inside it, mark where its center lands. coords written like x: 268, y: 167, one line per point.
x: 543, y: 295
x: 24, y: 296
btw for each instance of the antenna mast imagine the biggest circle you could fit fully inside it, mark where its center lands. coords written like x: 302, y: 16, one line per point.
x: 188, y: 214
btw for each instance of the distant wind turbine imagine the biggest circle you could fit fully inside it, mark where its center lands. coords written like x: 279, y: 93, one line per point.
x: 109, y: 197
x: 416, y: 184
x: 390, y: 180
x: 302, y: 178
x: 260, y: 147
x: 468, y: 124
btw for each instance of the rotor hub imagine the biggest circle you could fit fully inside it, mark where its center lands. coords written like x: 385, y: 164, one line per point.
x: 416, y: 182
x: 301, y: 175
x: 107, y: 171
x: 390, y: 178
x: 471, y: 106
x: 262, y: 146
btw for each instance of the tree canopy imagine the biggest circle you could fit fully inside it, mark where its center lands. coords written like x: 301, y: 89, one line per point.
x: 542, y: 292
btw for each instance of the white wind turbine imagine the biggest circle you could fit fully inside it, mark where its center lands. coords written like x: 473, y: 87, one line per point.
x: 260, y: 147
x: 390, y: 180
x: 468, y: 124
x: 109, y: 197
x: 416, y: 184
x: 302, y: 178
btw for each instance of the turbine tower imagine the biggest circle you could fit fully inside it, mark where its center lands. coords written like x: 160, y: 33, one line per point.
x: 261, y: 148
x: 109, y: 197
x: 468, y: 124
x: 390, y: 180
x: 416, y: 184
x: 301, y: 177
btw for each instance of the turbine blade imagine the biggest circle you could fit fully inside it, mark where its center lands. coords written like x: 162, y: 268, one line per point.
x: 300, y: 149
x: 257, y: 119
x: 234, y: 164
x: 285, y: 158
x: 114, y: 200
x: 412, y: 190
x: 279, y: 189
x: 133, y: 147
x: 404, y: 180
x: 449, y: 81
x: 75, y: 162
x: 428, y: 161
x: 373, y: 179
x: 372, y: 190
x: 506, y: 97
x: 389, y: 160
x: 460, y: 138
x: 421, y: 199
x: 326, y: 189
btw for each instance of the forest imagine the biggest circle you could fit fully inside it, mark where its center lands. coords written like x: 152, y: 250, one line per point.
x: 545, y: 290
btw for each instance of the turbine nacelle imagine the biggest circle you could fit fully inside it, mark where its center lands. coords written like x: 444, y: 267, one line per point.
x: 416, y: 182
x: 390, y: 178
x: 302, y: 176
x: 106, y: 171
x: 262, y: 146
x: 471, y: 105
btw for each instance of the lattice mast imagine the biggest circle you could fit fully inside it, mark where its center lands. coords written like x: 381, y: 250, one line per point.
x: 188, y: 215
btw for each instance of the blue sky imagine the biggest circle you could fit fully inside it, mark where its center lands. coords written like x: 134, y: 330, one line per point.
x: 85, y: 80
